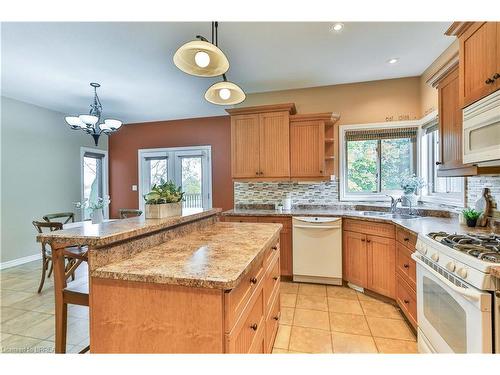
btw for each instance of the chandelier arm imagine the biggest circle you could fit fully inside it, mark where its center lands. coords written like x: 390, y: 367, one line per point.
x: 213, y: 24
x: 202, y: 38
x: 216, y: 33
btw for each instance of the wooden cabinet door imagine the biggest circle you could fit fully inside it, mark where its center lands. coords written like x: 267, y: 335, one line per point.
x: 450, y: 122
x: 381, y: 265
x: 286, y: 260
x: 355, y: 258
x: 274, y: 144
x: 307, y: 149
x: 245, y: 130
x: 478, y: 61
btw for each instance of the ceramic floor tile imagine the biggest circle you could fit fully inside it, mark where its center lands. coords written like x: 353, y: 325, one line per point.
x: 81, y: 312
x: 391, y: 346
x: 22, y: 324
x: 380, y: 310
x: 309, y: 340
x: 344, y: 306
x: 390, y: 328
x: 349, y: 323
x: 77, y: 332
x: 282, y: 337
x: 312, y: 289
x: 311, y: 319
x: 287, y: 315
x: 312, y: 302
x: 288, y: 287
x: 341, y: 292
x: 348, y: 343
x: 288, y: 299
x: 10, y: 297
x: 44, y: 347
x: 18, y: 344
x: 4, y: 336
x: 8, y: 313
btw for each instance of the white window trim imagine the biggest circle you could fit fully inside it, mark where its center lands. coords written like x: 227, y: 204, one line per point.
x: 105, y: 177
x: 344, y: 195
x: 188, y: 150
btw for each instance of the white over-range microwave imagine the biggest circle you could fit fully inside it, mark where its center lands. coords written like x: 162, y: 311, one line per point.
x: 481, y: 131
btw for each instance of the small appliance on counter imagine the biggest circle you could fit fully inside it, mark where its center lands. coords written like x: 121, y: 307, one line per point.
x: 287, y: 202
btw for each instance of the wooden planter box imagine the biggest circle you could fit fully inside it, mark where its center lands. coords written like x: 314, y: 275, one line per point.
x: 160, y: 211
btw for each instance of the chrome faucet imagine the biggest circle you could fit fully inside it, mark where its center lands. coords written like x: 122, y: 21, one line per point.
x: 394, y: 203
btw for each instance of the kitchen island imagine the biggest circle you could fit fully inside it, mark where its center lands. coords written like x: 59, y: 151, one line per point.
x: 180, y: 285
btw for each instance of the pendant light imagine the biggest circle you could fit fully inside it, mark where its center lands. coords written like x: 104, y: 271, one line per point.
x: 202, y: 58
x: 225, y: 93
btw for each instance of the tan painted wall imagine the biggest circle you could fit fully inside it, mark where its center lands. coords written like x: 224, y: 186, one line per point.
x: 428, y: 94
x: 362, y: 102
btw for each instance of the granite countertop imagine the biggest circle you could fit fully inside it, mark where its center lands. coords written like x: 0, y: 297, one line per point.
x: 217, y: 256
x: 495, y: 271
x: 86, y: 233
x: 422, y: 224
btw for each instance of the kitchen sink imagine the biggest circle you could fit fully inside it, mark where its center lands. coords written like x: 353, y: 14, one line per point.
x: 376, y: 213
x: 388, y: 214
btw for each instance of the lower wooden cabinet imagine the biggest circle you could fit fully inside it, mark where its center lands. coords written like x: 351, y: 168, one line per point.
x: 407, y: 300
x: 355, y: 258
x: 406, y: 274
x: 381, y: 265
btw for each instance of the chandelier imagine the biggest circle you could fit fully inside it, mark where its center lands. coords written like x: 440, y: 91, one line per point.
x: 91, y: 123
x: 202, y: 58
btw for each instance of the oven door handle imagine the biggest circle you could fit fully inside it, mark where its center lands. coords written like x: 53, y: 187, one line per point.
x: 317, y: 226
x: 462, y: 291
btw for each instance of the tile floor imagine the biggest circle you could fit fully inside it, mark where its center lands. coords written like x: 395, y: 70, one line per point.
x: 27, y: 318
x: 332, y: 319
x: 315, y: 318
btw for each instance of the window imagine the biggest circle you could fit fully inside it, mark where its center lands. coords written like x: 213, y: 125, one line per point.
x: 94, y: 177
x: 188, y: 167
x: 376, y: 159
x: 448, y: 190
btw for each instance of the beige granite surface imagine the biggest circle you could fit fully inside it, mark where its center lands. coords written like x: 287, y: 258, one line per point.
x: 423, y: 225
x: 86, y: 233
x: 495, y: 271
x: 218, y: 256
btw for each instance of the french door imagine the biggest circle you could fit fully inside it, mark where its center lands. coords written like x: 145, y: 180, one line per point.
x: 94, y: 178
x: 188, y: 167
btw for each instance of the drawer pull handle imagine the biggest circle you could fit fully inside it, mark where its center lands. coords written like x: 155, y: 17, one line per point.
x: 496, y: 76
x: 489, y: 81
x: 368, y: 241
x: 253, y: 280
x: 275, y: 278
x: 406, y: 239
x: 362, y: 240
x: 254, y: 326
x: 406, y: 265
x: 275, y: 248
x: 406, y: 301
x: 276, y: 317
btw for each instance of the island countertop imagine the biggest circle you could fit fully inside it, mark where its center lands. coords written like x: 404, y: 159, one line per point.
x: 108, y: 232
x: 217, y: 256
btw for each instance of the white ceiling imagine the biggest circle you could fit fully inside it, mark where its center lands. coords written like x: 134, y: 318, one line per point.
x: 51, y: 64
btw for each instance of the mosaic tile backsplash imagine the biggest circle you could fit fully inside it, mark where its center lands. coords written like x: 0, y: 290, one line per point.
x: 475, y: 187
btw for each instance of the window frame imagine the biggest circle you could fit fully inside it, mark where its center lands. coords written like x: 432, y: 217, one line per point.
x: 175, y: 174
x: 345, y: 195
x: 104, y: 176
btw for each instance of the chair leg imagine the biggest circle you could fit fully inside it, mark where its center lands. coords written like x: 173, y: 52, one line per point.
x: 51, y: 268
x: 44, y: 270
x: 61, y: 325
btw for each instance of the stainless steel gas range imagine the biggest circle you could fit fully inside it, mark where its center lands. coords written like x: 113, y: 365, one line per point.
x: 457, y: 297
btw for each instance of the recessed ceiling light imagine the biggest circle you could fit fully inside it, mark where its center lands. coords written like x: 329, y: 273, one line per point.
x: 337, y: 27
x: 394, y: 60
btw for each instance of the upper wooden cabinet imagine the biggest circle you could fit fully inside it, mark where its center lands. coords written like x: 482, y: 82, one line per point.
x: 260, y: 145
x: 312, y: 145
x: 479, y: 53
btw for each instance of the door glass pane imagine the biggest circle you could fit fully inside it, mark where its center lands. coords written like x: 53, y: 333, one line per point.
x: 446, y: 315
x: 191, y: 181
x: 157, y: 170
x: 396, y: 162
x: 362, y: 166
x: 92, y: 181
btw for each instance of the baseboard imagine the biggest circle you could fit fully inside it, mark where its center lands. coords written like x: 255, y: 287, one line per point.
x: 19, y: 261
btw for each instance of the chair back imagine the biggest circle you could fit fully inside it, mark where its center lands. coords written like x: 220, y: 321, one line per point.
x: 43, y: 225
x: 125, y: 213
x: 62, y: 217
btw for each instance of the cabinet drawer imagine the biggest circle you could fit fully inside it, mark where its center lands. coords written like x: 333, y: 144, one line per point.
x: 247, y: 335
x: 285, y: 221
x: 272, y: 252
x: 236, y: 300
x: 272, y: 322
x: 240, y: 219
x: 406, y: 237
x: 405, y: 265
x: 407, y: 300
x: 271, y: 281
x: 369, y: 227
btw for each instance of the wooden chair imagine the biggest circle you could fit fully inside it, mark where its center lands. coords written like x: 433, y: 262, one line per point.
x: 65, y: 217
x: 73, y: 255
x: 125, y: 213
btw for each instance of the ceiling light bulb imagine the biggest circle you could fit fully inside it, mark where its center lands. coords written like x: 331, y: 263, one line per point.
x: 337, y: 27
x: 202, y: 59
x: 393, y: 61
x: 224, y: 94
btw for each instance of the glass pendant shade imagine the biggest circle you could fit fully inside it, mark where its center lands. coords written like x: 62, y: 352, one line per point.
x: 225, y: 93
x: 202, y: 59
x: 74, y: 122
x: 112, y: 124
x: 89, y: 119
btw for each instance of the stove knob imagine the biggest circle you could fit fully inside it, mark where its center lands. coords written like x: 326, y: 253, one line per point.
x: 450, y: 266
x: 435, y: 257
x: 462, y: 272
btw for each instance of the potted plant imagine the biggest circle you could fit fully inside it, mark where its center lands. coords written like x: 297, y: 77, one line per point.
x: 410, y: 186
x: 96, y: 207
x: 164, y: 200
x: 471, y: 216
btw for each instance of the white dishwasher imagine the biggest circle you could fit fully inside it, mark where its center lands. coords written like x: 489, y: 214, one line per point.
x: 317, y: 250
